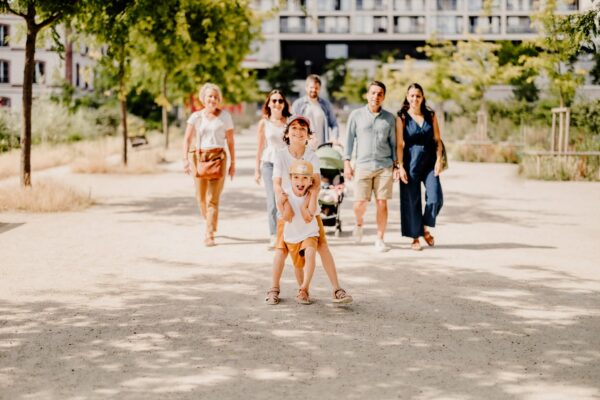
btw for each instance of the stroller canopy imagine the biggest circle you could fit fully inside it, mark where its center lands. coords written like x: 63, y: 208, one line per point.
x: 330, y: 158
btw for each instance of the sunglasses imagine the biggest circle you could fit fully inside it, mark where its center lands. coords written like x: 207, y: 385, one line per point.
x: 275, y: 101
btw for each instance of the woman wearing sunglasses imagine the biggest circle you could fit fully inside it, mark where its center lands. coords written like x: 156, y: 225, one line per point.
x: 275, y: 112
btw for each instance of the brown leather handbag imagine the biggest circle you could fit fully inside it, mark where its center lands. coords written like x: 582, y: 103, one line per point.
x: 209, y: 163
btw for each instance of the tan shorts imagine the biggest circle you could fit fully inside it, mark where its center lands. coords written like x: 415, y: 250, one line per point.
x: 380, y: 181
x: 296, y: 250
x: 281, y: 244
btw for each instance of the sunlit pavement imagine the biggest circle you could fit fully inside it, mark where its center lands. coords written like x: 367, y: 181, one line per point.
x: 123, y: 301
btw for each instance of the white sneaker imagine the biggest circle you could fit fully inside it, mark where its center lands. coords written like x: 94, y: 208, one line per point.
x: 380, y: 246
x: 357, y: 233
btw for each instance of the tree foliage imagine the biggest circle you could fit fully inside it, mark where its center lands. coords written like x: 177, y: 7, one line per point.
x: 280, y: 76
x: 558, y: 44
x: 38, y: 15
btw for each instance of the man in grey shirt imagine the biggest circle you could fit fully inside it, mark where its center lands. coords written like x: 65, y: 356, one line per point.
x: 373, y: 130
x: 318, y: 111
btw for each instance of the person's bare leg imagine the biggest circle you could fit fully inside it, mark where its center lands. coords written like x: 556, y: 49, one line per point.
x: 309, y: 267
x: 299, y: 272
x: 328, y: 265
x: 382, y: 218
x: 360, y: 207
x: 278, y: 264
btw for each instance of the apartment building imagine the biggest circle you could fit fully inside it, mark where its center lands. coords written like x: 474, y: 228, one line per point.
x: 75, y: 66
x: 312, y: 32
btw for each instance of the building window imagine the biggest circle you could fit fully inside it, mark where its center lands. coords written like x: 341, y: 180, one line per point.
x: 333, y: 5
x: 520, y: 5
x: 479, y: 5
x: 567, y: 5
x: 4, y: 32
x: 294, y: 5
x: 449, y: 5
x: 4, y: 71
x: 263, y: 5
x: 409, y: 24
x: 449, y: 25
x: 39, y: 72
x: 292, y: 25
x: 484, y: 25
x: 334, y: 24
x: 409, y: 5
x: 369, y: 5
x: 518, y: 25
x: 333, y: 51
x: 367, y: 24
x: 4, y: 102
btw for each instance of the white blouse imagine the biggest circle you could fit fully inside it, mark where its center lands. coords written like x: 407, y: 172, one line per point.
x: 273, y: 141
x: 210, y: 133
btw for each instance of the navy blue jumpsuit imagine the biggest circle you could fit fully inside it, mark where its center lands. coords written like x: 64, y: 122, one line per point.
x: 419, y: 162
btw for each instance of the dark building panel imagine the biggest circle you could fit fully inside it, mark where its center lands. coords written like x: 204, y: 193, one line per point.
x: 313, y: 53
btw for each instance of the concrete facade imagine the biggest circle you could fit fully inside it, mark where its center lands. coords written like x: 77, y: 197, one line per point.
x: 52, y: 71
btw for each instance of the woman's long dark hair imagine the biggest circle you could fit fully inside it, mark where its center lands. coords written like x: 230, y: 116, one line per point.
x: 266, y: 110
x: 425, y: 110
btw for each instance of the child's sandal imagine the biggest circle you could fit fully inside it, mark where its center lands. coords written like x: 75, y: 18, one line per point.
x: 341, y: 297
x: 302, y: 296
x: 273, y: 296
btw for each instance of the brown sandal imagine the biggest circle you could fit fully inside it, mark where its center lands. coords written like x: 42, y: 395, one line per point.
x: 341, y: 297
x: 273, y: 296
x: 302, y: 297
x: 428, y: 238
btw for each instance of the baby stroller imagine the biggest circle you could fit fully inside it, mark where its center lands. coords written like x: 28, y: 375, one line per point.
x: 332, y: 186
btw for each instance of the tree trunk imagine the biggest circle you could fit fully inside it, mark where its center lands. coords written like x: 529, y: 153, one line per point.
x: 28, y: 99
x: 165, y: 120
x: 123, y: 102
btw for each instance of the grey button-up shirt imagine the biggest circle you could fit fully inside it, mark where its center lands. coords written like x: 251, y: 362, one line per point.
x: 375, y: 137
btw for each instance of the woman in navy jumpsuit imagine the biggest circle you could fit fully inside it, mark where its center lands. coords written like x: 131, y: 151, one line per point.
x: 419, y: 151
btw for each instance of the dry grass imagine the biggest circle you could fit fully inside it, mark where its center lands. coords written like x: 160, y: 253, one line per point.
x: 48, y: 156
x: 44, y: 196
x: 561, y: 168
x: 96, y: 156
x: 139, y: 162
x: 485, y: 152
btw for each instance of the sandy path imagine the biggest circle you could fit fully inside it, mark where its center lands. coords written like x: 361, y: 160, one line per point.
x: 121, y: 301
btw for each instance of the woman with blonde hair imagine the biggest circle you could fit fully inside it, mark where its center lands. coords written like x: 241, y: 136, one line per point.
x: 212, y: 127
x: 275, y: 112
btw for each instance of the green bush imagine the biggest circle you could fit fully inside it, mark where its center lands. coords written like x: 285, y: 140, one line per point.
x: 9, y: 130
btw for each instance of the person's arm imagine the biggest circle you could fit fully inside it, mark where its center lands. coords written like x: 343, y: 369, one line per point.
x: 260, y: 133
x: 231, y: 146
x: 285, y: 208
x: 190, y: 132
x: 393, y: 141
x: 399, y: 171
x: 306, y: 210
x: 437, y: 136
x: 350, y: 136
x: 332, y: 124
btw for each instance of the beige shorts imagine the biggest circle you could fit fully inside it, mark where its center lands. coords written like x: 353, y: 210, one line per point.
x: 380, y: 182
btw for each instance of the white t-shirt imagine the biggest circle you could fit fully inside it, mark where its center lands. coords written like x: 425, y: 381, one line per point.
x: 210, y: 133
x: 282, y: 162
x: 317, y: 118
x: 273, y: 140
x: 298, y: 230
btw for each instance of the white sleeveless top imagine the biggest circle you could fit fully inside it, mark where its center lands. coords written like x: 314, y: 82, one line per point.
x: 273, y: 141
x: 298, y: 230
